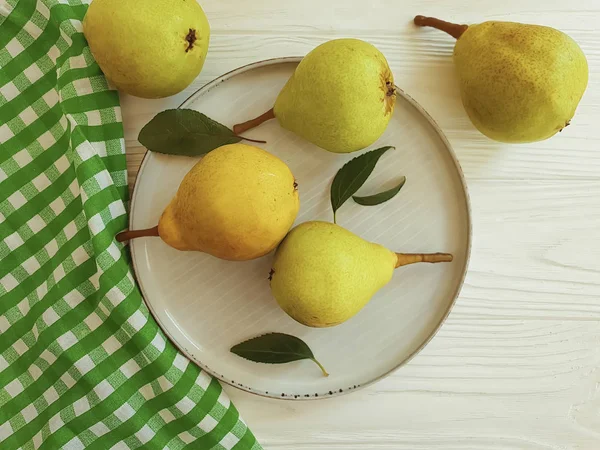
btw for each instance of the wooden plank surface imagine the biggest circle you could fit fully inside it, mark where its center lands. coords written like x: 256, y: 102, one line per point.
x: 516, y: 366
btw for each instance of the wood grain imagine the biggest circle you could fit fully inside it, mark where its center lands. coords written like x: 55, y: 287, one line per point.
x: 516, y: 364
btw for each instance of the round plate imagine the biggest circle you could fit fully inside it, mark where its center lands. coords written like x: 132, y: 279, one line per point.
x: 206, y: 305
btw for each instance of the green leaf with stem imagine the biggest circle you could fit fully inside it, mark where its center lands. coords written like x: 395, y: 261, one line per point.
x: 352, y: 176
x: 186, y: 132
x: 276, y: 348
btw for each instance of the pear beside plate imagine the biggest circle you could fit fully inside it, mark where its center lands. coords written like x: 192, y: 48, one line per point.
x: 206, y: 305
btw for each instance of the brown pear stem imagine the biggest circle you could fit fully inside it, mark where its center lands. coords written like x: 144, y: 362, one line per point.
x: 411, y: 258
x: 453, y: 29
x: 132, y: 234
x: 242, y: 127
x: 252, y: 140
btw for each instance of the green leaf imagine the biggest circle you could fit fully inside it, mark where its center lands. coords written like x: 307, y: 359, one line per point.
x: 352, y: 176
x: 376, y: 199
x: 185, y: 132
x: 275, y: 348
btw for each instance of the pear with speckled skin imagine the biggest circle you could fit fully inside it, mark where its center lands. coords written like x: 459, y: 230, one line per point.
x: 340, y: 97
x: 237, y: 203
x: 518, y: 82
x: 322, y: 274
x: 150, y: 48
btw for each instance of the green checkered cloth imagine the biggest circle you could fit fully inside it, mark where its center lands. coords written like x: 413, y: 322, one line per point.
x: 82, y: 364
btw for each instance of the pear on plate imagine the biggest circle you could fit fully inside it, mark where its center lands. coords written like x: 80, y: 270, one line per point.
x: 237, y: 203
x: 149, y: 49
x: 323, y: 274
x: 340, y: 97
x: 518, y: 82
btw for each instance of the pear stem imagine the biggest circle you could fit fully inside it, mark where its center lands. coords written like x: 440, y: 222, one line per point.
x: 411, y: 258
x: 453, y: 29
x: 320, y: 367
x: 252, y: 140
x: 242, y: 127
x: 132, y: 234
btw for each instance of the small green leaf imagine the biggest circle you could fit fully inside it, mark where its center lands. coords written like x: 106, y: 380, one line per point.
x: 381, y: 197
x: 275, y: 348
x: 185, y: 132
x: 352, y: 176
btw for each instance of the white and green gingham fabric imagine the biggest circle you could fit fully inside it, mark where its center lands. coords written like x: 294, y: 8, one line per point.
x: 82, y: 364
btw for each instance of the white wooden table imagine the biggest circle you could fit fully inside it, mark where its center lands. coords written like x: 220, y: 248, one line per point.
x: 516, y: 366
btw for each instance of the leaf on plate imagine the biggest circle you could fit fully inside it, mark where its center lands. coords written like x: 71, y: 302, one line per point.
x: 352, y: 176
x: 275, y: 348
x: 185, y: 132
x: 381, y: 197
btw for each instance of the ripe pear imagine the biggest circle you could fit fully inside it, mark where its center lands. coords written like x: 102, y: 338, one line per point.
x: 149, y: 49
x: 323, y: 274
x: 340, y: 97
x: 237, y: 203
x: 518, y: 82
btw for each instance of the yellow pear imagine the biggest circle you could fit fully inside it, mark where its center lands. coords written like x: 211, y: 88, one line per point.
x: 341, y: 97
x: 237, y: 203
x: 150, y: 48
x: 518, y: 82
x: 323, y: 274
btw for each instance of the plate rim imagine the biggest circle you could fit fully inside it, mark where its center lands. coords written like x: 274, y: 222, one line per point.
x: 342, y: 391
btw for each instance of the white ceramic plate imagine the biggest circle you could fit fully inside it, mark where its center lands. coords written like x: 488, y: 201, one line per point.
x: 206, y: 305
